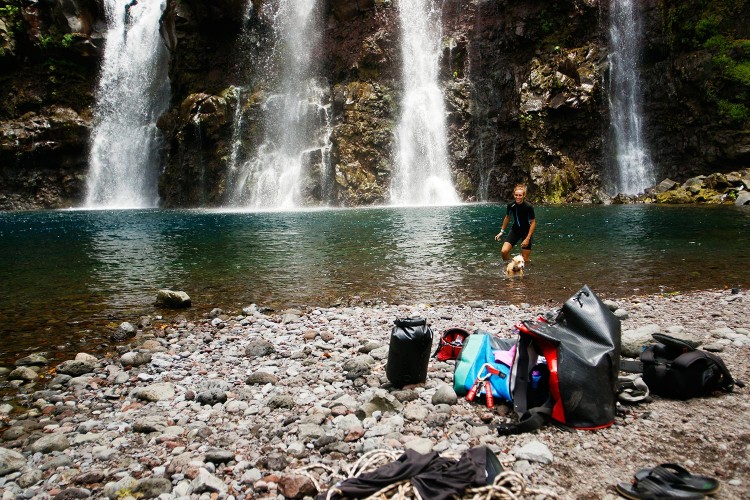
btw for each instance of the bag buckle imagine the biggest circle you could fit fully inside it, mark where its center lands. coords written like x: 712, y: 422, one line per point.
x: 491, y: 370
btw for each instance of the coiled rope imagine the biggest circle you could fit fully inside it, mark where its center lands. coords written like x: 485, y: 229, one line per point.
x: 507, y: 485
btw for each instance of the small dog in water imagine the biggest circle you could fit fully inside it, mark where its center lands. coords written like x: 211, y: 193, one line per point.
x: 515, y: 266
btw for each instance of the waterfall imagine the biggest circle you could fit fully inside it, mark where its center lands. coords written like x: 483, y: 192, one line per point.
x: 133, y: 91
x: 245, y: 45
x: 421, y: 175
x: 634, y: 168
x: 296, y: 118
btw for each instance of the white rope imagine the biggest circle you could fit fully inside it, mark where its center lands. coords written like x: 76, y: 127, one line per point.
x: 305, y: 468
x: 507, y: 485
x: 372, y: 460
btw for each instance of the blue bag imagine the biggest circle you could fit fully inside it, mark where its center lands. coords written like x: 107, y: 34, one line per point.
x: 478, y: 351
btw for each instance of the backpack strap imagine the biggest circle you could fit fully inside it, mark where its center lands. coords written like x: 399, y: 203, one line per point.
x: 631, y: 366
x: 531, y: 420
x: 679, y: 345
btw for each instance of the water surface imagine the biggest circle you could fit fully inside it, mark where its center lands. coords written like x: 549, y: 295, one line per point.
x: 67, y: 278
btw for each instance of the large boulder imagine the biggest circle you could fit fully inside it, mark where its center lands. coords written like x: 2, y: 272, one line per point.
x: 172, y: 299
x: 742, y: 199
x: 664, y: 186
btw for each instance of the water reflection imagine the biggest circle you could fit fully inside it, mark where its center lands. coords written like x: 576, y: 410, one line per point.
x: 66, y: 277
x: 130, y: 259
x: 421, y: 236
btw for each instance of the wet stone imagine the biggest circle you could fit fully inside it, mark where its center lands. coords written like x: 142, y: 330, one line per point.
x: 32, y: 360
x: 124, y: 331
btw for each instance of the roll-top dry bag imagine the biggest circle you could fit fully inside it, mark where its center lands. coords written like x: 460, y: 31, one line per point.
x: 409, y: 352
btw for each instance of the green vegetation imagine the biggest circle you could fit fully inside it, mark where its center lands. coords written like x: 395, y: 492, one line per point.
x: 46, y: 41
x: 67, y: 40
x: 554, y: 26
x: 731, y: 58
x: 737, y: 112
x: 707, y: 27
x: 712, y: 25
x: 50, y: 41
x: 13, y: 18
x: 11, y: 14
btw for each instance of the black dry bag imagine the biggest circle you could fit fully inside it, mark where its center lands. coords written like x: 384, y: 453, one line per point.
x: 582, y: 352
x: 409, y: 352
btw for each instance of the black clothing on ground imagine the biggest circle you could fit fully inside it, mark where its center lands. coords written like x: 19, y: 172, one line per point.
x: 434, y: 477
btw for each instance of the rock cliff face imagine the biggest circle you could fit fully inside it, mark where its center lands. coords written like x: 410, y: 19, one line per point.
x: 696, y: 77
x: 525, y: 86
x: 49, y: 57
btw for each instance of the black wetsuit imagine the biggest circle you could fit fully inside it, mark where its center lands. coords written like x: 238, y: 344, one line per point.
x: 521, y: 215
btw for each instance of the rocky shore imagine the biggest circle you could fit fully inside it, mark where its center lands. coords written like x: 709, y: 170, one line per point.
x: 239, y: 404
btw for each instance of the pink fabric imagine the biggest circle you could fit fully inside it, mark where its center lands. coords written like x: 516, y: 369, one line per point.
x: 505, y: 357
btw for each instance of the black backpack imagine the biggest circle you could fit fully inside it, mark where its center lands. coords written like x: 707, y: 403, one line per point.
x: 576, y: 386
x: 674, y: 368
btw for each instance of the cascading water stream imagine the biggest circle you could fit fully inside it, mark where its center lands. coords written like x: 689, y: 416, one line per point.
x: 133, y: 91
x: 422, y: 174
x: 245, y: 44
x: 297, y: 123
x: 635, y: 171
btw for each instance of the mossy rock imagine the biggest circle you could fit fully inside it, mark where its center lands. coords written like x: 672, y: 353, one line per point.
x: 675, y: 196
x: 708, y: 196
x: 717, y: 182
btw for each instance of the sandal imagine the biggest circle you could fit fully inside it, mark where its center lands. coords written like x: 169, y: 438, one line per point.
x: 678, y: 477
x: 653, y: 488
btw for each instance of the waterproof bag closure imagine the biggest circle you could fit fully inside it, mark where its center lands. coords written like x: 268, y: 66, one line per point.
x: 410, y: 323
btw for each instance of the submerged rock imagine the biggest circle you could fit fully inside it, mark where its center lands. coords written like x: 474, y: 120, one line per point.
x: 35, y: 359
x: 172, y: 299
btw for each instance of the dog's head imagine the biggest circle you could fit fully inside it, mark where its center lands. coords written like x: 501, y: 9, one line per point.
x: 518, y: 263
x: 515, y: 266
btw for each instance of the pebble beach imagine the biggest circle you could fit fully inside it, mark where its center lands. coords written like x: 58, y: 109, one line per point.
x: 280, y: 404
